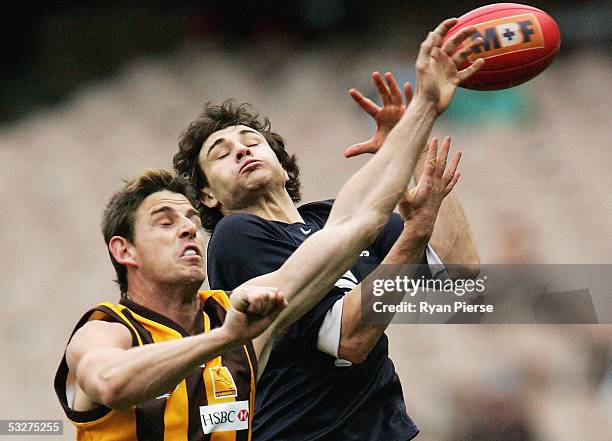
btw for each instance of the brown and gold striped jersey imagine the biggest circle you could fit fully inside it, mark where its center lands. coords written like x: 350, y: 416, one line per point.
x: 214, y: 402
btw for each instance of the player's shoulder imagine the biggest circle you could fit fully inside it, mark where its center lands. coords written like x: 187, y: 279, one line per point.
x: 324, y: 205
x: 219, y: 296
x: 97, y: 333
x: 237, y: 231
x: 240, y: 221
x: 103, y: 331
x: 316, y: 210
x: 237, y: 220
x: 239, y: 224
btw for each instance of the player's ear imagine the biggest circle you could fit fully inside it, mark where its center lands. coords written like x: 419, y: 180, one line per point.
x: 209, y: 199
x: 122, y: 251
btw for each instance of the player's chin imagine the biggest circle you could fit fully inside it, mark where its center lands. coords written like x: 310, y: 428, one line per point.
x: 194, y: 274
x: 261, y: 180
x: 256, y: 178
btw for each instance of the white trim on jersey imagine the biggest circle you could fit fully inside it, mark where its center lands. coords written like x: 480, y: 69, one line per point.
x: 328, y: 340
x: 329, y: 332
x: 436, y: 266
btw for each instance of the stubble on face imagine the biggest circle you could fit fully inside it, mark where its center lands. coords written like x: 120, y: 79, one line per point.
x: 166, y: 225
x: 233, y: 185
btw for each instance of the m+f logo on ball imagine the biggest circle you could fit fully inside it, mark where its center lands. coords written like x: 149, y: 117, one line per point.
x: 509, y: 34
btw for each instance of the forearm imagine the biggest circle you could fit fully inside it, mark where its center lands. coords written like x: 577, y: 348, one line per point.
x: 359, y: 212
x: 358, y: 334
x: 452, y: 237
x: 135, y: 375
x: 307, y: 276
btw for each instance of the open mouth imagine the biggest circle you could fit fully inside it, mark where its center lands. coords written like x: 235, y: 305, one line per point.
x: 191, y: 251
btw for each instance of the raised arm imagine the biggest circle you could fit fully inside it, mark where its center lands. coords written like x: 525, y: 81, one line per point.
x: 419, y: 210
x: 109, y: 371
x: 452, y: 238
x: 366, y: 200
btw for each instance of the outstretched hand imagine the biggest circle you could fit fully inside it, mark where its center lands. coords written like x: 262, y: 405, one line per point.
x: 393, y: 106
x: 386, y: 117
x: 437, y: 76
x: 421, y: 203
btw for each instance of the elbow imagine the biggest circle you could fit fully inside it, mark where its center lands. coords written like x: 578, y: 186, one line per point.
x: 472, y: 270
x: 469, y: 270
x: 355, y: 352
x: 112, y: 394
x: 356, y: 358
x: 111, y: 397
x: 106, y: 394
x: 104, y: 387
x: 115, y: 395
x: 371, y: 224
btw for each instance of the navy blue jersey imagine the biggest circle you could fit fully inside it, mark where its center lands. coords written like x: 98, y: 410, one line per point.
x: 302, y: 394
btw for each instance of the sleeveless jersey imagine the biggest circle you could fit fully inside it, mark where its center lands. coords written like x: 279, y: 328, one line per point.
x: 213, y: 403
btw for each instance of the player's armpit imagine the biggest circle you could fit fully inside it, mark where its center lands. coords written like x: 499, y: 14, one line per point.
x: 89, y: 351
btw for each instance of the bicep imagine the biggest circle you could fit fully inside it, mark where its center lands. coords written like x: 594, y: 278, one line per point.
x: 93, y: 345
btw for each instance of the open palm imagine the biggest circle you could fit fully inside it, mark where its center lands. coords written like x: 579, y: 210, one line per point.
x: 436, y: 182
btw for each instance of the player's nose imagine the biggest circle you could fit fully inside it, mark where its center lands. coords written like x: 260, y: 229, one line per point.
x: 243, y: 151
x: 188, y: 229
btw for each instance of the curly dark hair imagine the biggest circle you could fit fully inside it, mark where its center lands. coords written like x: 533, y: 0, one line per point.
x: 119, y: 215
x: 213, y: 119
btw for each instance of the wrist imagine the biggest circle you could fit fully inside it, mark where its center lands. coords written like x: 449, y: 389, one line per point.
x: 228, y: 338
x: 416, y: 233
x: 425, y: 103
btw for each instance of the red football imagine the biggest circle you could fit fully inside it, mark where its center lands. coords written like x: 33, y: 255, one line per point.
x: 520, y: 41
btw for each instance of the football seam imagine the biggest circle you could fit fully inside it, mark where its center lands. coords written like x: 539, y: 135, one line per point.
x: 539, y: 60
x: 505, y: 9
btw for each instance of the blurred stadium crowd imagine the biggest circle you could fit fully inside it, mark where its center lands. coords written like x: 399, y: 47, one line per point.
x: 535, y: 184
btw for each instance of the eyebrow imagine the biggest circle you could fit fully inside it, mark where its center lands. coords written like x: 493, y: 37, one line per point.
x: 167, y: 209
x: 222, y: 140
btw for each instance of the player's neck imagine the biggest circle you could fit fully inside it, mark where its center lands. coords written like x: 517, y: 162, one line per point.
x: 273, y: 206
x: 179, y: 303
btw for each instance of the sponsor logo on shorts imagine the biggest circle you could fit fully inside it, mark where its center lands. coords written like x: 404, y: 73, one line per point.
x: 223, y: 382
x: 508, y: 34
x: 225, y: 417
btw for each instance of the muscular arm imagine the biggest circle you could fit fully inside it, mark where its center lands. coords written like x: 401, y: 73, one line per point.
x: 366, y: 200
x: 357, y: 338
x: 419, y: 209
x: 452, y: 237
x: 109, y: 371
